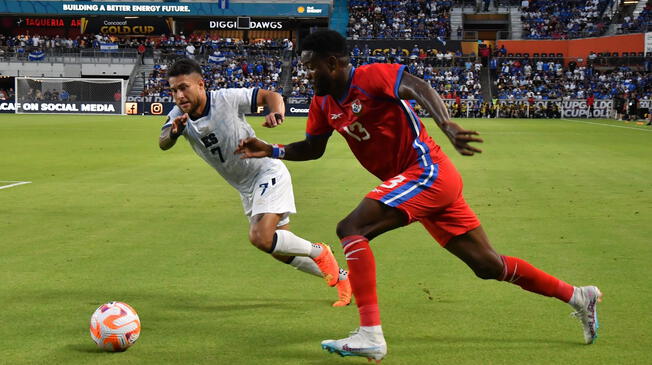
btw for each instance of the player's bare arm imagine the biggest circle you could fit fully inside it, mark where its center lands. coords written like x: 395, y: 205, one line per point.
x: 311, y: 148
x: 414, y: 88
x: 274, y: 102
x: 170, y: 134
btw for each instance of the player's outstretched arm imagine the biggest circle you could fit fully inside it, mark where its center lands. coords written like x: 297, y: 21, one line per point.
x: 414, y: 88
x: 309, y: 149
x: 274, y: 102
x: 169, y: 135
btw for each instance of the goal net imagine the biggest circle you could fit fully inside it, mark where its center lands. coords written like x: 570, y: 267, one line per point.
x: 70, y: 95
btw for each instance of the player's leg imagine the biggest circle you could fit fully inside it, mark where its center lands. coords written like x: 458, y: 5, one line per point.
x: 370, y: 219
x: 269, y: 207
x: 270, y: 233
x: 474, y: 249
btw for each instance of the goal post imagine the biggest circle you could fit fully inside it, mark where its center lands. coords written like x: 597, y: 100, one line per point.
x: 70, y: 95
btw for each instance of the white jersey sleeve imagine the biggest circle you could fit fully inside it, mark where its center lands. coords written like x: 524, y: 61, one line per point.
x: 175, y: 112
x: 244, y: 100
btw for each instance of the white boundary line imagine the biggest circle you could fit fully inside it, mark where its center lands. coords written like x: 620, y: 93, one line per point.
x: 15, y: 183
x: 608, y: 125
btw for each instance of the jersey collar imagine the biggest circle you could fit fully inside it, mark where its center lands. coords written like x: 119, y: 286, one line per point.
x: 207, y: 107
x: 348, y: 85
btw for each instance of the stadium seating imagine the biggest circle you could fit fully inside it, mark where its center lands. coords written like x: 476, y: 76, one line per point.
x: 394, y: 19
x: 525, y: 78
x: 544, y: 19
x: 642, y: 23
x: 225, y: 65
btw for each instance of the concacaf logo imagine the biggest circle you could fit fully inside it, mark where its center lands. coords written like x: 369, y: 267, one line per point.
x: 301, y: 9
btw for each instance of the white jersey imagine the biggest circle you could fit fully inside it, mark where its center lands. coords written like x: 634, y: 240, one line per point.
x: 216, y: 134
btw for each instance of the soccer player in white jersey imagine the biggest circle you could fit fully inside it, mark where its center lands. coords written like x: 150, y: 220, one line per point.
x: 214, y: 123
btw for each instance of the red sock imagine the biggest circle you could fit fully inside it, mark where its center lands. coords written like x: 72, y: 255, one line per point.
x: 362, y: 274
x: 528, y: 277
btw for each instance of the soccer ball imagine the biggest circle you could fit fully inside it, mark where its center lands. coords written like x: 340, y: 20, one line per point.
x: 115, y: 326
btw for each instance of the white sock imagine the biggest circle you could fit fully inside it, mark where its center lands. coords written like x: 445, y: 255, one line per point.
x: 315, y: 250
x: 575, y: 298
x: 289, y: 244
x: 307, y: 265
x: 343, y: 274
x: 375, y: 331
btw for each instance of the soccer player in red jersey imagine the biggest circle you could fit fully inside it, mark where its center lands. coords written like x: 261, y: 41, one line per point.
x: 367, y: 106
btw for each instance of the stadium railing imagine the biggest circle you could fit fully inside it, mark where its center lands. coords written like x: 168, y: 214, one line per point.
x: 79, y: 56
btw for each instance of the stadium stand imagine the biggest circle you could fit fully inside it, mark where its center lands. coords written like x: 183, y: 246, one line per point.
x: 640, y: 23
x: 524, y: 78
x: 399, y: 19
x: 226, y: 63
x: 565, y: 19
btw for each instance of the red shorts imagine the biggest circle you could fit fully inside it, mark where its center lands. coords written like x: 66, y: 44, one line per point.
x: 432, y: 196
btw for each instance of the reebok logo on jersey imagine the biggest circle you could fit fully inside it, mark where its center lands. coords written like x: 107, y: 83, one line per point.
x: 336, y: 116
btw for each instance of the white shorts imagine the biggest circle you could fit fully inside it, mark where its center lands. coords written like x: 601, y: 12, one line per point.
x: 272, y: 194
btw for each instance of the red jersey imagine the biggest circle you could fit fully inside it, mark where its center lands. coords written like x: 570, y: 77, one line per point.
x: 383, y: 131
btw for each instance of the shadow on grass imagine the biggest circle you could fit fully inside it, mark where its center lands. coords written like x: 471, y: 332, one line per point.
x: 494, y: 342
x: 245, y: 304
x: 89, y: 348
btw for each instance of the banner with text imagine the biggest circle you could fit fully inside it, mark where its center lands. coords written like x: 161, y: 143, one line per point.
x: 65, y: 107
x: 19, y: 22
x: 124, y: 26
x: 245, y: 22
x: 163, y: 108
x: 208, y: 9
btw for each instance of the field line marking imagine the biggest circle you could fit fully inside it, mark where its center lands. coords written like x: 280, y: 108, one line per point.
x: 16, y: 183
x: 607, y: 125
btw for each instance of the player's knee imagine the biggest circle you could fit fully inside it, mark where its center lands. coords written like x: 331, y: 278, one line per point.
x: 346, y: 228
x: 261, y: 239
x: 488, y: 271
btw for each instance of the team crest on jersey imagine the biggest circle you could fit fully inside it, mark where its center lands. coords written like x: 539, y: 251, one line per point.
x: 356, y: 106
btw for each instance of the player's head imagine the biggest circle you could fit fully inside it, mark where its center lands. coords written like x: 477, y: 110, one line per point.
x: 326, y: 57
x: 187, y: 85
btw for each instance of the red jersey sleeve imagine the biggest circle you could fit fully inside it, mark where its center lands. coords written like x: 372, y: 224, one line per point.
x: 317, y: 121
x: 382, y: 79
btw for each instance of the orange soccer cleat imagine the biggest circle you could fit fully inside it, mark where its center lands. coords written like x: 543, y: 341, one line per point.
x: 344, y: 292
x: 326, y: 262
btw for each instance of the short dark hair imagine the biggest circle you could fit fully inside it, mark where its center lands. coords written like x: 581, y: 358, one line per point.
x: 325, y: 42
x: 184, y: 66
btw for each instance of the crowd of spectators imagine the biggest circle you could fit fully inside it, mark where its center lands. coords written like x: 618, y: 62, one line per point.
x: 399, y: 19
x: 450, y: 73
x: 53, y: 94
x: 453, y: 75
x: 167, y: 47
x: 432, y: 56
x: 21, y: 45
x: 564, y: 19
x: 7, y: 94
x: 226, y: 64
x: 532, y: 79
x: 641, y: 23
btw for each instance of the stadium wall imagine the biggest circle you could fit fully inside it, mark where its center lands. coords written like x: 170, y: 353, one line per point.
x: 58, y: 69
x: 577, y: 48
x: 441, y: 46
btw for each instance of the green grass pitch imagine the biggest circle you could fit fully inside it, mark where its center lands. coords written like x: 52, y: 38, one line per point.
x: 108, y: 216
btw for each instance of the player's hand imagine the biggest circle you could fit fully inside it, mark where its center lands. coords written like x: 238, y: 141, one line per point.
x: 252, y: 147
x: 273, y: 119
x: 178, y: 125
x: 461, y: 137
